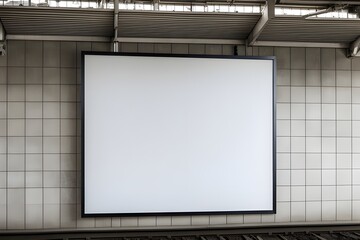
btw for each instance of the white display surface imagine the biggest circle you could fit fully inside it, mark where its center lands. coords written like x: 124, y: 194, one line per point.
x: 177, y: 135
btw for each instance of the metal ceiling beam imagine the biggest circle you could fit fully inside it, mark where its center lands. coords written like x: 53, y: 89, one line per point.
x: 116, y: 26
x: 57, y: 38
x: 267, y: 14
x: 354, y: 48
x: 300, y: 44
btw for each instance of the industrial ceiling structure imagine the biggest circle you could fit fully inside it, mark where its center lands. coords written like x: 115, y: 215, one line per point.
x: 262, y: 28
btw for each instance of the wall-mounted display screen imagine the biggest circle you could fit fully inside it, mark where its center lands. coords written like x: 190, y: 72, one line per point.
x: 177, y: 135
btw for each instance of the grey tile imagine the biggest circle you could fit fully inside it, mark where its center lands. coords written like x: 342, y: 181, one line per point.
x: 68, y: 127
x: 328, y: 111
x: 51, y: 127
x: 52, y: 162
x: 266, y: 51
x: 162, y: 48
x: 16, y: 144
x: 298, y: 78
x: 68, y: 54
x: 34, y: 216
x: 328, y: 78
x: 343, y: 78
x: 355, y: 95
x: 68, y: 195
x: 51, y: 216
x: 3, y: 128
x: 34, y: 109
x: 51, y: 92
x: 230, y: 50
x: 34, y: 127
x: 313, y: 94
x: 34, y: 53
x: 342, y: 61
x: 355, y: 64
x: 297, y: 58
x: 313, y: 77
x: 16, y: 162
x: 68, y: 76
x: 100, y: 46
x: 34, y: 75
x: 34, y: 195
x: 68, y: 110
x: 68, y: 144
x: 51, y: 110
x: 3, y: 61
x: 283, y: 77
x: 51, y: 144
x: 16, y: 53
x: 128, y: 47
x: 68, y: 93
x: 196, y: 220
x: 145, y: 47
x: 16, y: 127
x: 196, y: 49
x: 147, y: 221
x: 51, y: 179
x: 34, y: 93
x: 3, y: 145
x: 282, y: 57
x: 51, y: 54
x: 355, y: 75
x: 3, y: 180
x: 3, y: 110
x: 16, y: 75
x: 51, y: 75
x: 33, y: 162
x: 3, y: 92
x: 181, y: 221
x: 16, y: 209
x: 16, y: 179
x: 3, y: 161
x: 68, y: 179
x: 68, y: 215
x: 343, y: 95
x: 313, y: 58
x: 328, y: 94
x: 327, y: 58
x: 68, y: 162
x: 34, y: 144
x: 3, y: 74
x: 213, y: 49
x: 16, y: 92
x: 51, y: 195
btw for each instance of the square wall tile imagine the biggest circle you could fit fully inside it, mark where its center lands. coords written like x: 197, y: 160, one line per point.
x: 34, y: 216
x: 16, y: 162
x: 328, y: 211
x: 34, y: 53
x: 16, y: 53
x: 313, y: 211
x: 51, y: 54
x: 16, y: 75
x: 34, y: 75
x: 298, y: 211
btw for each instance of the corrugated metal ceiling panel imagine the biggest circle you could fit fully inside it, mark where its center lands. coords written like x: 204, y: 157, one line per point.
x: 57, y: 21
x: 186, y: 25
x: 311, y: 30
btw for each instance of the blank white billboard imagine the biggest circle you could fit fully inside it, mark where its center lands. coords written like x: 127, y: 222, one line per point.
x: 177, y: 135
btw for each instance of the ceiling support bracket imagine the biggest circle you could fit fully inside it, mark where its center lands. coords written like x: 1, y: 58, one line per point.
x: 354, y: 49
x: 2, y: 40
x: 267, y: 14
x: 116, y: 26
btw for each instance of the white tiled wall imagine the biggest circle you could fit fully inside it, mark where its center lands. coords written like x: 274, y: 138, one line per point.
x: 318, y: 127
